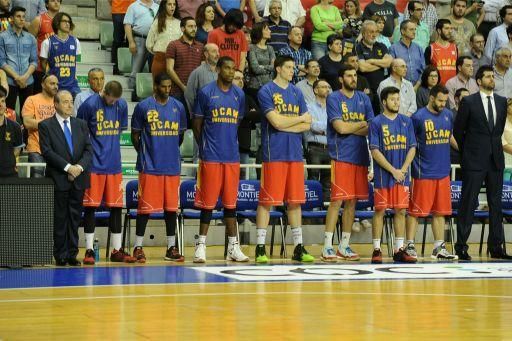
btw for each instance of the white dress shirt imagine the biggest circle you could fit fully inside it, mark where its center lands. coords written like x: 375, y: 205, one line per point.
x: 484, y: 101
x: 61, y: 119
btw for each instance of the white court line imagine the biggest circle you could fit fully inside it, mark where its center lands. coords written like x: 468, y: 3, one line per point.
x: 259, y: 293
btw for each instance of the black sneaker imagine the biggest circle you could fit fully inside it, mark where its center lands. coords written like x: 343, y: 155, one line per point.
x: 301, y: 255
x: 261, y: 254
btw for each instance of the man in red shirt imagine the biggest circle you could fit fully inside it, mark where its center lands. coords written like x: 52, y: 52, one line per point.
x: 230, y: 38
x: 442, y: 53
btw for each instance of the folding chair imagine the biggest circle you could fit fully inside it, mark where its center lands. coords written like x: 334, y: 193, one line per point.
x: 247, y: 204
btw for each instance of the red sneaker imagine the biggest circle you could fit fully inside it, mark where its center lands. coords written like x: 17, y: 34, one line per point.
x: 139, y: 255
x: 377, y: 256
x: 173, y: 254
x: 89, y: 257
x: 401, y: 256
x: 119, y: 256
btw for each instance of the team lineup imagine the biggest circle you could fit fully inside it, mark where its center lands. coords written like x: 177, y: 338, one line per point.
x: 410, y: 173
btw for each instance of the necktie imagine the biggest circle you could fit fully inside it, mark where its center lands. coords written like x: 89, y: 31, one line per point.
x: 67, y: 134
x: 490, y: 112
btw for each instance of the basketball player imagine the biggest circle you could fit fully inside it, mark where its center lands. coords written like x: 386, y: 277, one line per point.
x: 218, y: 110
x: 393, y: 145
x: 106, y: 116
x: 430, y: 189
x: 158, y: 124
x: 59, y: 53
x: 348, y: 113
x: 285, y: 118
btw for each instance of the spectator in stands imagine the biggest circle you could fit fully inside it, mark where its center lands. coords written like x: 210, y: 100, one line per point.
x: 362, y: 82
x: 498, y: 35
x: 374, y: 59
x: 18, y: 58
x: 477, y: 44
x: 463, y: 29
x: 352, y: 16
x: 137, y: 22
x: 422, y: 36
x: 96, y: 79
x: 474, y: 10
x: 119, y: 8
x: 261, y: 59
x: 165, y: 28
x: 428, y: 15
x: 397, y: 79
x: 348, y: 44
x: 280, y: 28
x: 59, y: 53
x: 316, y: 152
x: 11, y: 141
x: 385, y: 9
x: 3, y: 80
x: 409, y: 51
x: 443, y: 53
x: 326, y: 20
x: 291, y: 11
x: 204, y: 19
x: 32, y: 8
x: 183, y: 56
x: 188, y: 8
x: 37, y: 108
x: 429, y: 78
x: 460, y: 93
x: 5, y: 15
x: 41, y: 28
x: 247, y: 125
x: 463, y: 79
x: 306, y: 85
x: 502, y: 72
x: 231, y: 39
x: 331, y: 63
x: 381, y: 21
x: 299, y: 54
x: 203, y: 74
x: 493, y: 9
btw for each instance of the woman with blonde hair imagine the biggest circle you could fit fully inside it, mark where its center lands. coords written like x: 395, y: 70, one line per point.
x: 165, y: 28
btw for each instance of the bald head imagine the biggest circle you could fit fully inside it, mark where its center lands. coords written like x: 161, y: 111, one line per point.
x: 398, y: 67
x: 50, y: 86
x: 211, y: 54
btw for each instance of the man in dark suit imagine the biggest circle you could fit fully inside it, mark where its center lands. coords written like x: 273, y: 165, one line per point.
x: 67, y: 150
x: 477, y: 129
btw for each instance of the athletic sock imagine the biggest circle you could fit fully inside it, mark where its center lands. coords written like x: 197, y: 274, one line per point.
x: 345, y: 239
x: 297, y: 235
x: 201, y: 240
x: 376, y: 243
x: 261, y: 234
x: 116, y: 240
x: 328, y: 239
x: 399, y: 243
x: 138, y: 241
x: 89, y: 241
x: 171, y: 241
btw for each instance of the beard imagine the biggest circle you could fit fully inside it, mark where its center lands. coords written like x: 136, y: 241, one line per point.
x: 350, y: 86
x: 391, y: 110
x: 437, y: 108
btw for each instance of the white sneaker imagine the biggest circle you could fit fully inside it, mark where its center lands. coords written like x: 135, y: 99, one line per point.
x: 366, y: 224
x: 356, y: 227
x: 411, y: 250
x: 440, y: 253
x: 200, y: 253
x: 328, y: 255
x: 235, y: 254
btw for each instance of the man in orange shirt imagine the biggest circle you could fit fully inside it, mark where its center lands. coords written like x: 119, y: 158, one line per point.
x: 119, y: 8
x: 37, y: 108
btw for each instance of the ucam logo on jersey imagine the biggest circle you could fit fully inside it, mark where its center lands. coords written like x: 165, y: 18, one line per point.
x: 348, y: 272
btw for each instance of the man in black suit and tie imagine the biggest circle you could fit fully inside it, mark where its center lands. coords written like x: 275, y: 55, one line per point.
x: 67, y: 150
x: 477, y: 129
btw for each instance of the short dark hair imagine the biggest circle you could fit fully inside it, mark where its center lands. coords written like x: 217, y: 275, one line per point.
x: 404, y: 23
x: 257, y: 31
x: 332, y: 38
x: 344, y: 68
x: 183, y: 21
x: 347, y: 56
x: 309, y: 61
x: 389, y: 90
x: 459, y: 91
x: 436, y: 89
x: 473, y: 36
x: 426, y: 73
x: 57, y: 20
x: 17, y: 9
x: 163, y: 76
x: 47, y: 1
x: 234, y: 17
x: 280, y: 60
x: 455, y: 1
x: 315, y: 83
x: 481, y: 70
x: 3, y: 92
x: 460, y: 62
x: 411, y: 6
x: 441, y: 22
x: 503, y: 11
x: 113, y: 88
x: 223, y: 60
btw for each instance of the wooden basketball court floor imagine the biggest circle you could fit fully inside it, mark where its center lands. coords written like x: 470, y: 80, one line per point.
x: 280, y: 301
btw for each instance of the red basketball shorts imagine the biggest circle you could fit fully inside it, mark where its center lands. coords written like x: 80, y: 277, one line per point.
x: 348, y: 181
x: 394, y: 197
x: 106, y: 188
x: 158, y: 193
x: 430, y: 196
x: 281, y: 182
x: 216, y: 180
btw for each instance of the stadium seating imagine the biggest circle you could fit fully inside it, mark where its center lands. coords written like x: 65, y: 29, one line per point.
x: 106, y: 34
x: 124, y: 60
x: 144, y: 85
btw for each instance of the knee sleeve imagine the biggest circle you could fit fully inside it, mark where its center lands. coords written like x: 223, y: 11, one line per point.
x: 229, y: 213
x: 206, y: 216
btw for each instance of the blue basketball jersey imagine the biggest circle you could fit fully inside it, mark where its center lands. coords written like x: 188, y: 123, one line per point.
x: 62, y: 57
